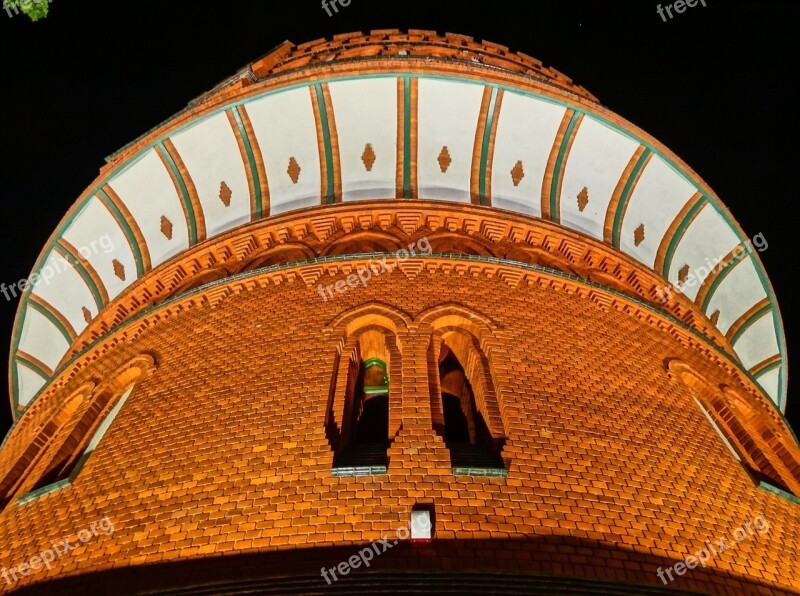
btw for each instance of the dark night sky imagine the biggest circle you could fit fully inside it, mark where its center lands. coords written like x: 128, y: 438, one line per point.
x: 716, y: 84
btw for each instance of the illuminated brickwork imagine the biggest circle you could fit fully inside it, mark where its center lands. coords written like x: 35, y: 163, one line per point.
x: 222, y: 448
x: 210, y: 399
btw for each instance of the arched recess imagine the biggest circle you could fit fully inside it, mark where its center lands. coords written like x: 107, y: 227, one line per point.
x: 740, y: 425
x: 202, y: 278
x: 466, y: 410
x: 365, y: 242
x: 66, y: 445
x: 289, y: 252
x: 768, y: 434
x: 541, y: 257
x: 363, y: 413
x: 452, y: 242
x: 371, y: 313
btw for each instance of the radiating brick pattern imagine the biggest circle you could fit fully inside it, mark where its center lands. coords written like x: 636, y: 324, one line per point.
x: 613, y: 470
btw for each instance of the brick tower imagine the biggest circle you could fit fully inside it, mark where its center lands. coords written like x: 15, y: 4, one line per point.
x: 399, y: 312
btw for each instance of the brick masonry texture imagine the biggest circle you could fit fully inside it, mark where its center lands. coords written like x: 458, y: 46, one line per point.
x: 613, y: 470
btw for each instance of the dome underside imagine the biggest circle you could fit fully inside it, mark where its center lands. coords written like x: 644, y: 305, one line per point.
x: 399, y: 131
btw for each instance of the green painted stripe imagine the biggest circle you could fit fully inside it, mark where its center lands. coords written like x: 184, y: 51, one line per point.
x: 555, y: 215
x: 14, y: 376
x: 407, y: 137
x: 676, y: 238
x: 187, y: 201
x: 32, y: 366
x: 126, y: 229
x: 33, y: 495
x: 485, y: 148
x: 777, y: 491
x: 374, y: 361
x: 251, y: 160
x: 778, y: 327
x: 597, y: 116
x: 14, y: 384
x: 98, y: 298
x: 52, y: 318
x: 616, y: 229
x: 326, y: 136
x: 749, y: 323
x: 376, y: 389
x: 726, y: 271
x: 767, y: 369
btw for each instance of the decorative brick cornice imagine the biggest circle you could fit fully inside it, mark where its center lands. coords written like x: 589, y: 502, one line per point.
x: 213, y: 295
x: 350, y: 228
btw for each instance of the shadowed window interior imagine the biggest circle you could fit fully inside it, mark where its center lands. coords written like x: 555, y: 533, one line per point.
x: 371, y: 416
x: 466, y: 434
x: 48, y: 434
x: 82, y: 442
x: 367, y: 441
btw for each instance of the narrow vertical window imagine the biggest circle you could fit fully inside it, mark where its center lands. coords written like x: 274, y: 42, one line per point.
x: 466, y: 434
x: 743, y: 431
x: 365, y: 439
x: 364, y: 412
x: 371, y: 414
x: 77, y: 448
x: 47, y: 434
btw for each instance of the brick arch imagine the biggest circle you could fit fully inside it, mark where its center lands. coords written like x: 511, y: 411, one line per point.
x: 134, y: 370
x: 740, y: 430
x: 74, y: 424
x: 455, y: 315
x: 453, y: 242
x: 378, y: 314
x: 103, y: 400
x: 467, y: 350
x: 543, y: 258
x: 365, y: 242
x: 776, y: 441
x: 287, y: 252
x: 44, y: 435
x: 474, y: 350
x: 724, y: 417
x: 349, y: 327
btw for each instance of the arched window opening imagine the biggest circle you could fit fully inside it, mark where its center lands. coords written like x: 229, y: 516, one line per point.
x: 371, y: 412
x: 742, y: 429
x: 45, y: 435
x: 466, y: 434
x: 742, y: 447
x: 364, y: 440
x: 76, y: 448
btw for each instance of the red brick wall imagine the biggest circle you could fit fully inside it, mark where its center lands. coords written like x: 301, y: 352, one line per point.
x: 222, y: 450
